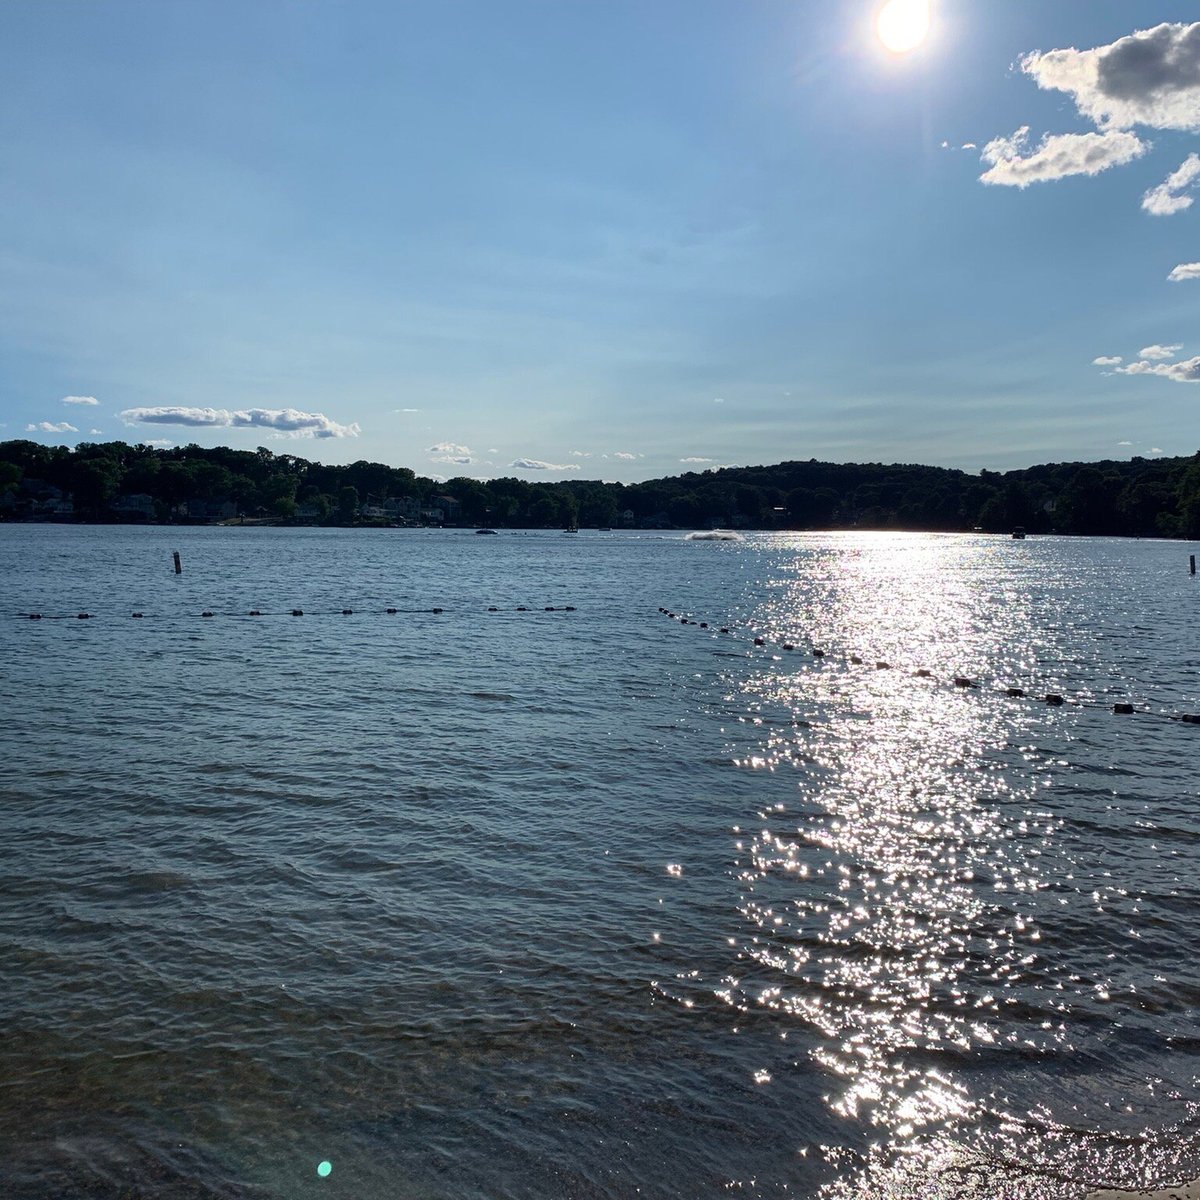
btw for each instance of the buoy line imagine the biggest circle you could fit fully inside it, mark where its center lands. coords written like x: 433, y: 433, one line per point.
x: 958, y: 682
x: 290, y: 612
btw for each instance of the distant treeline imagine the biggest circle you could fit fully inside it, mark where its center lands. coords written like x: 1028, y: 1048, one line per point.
x: 109, y: 481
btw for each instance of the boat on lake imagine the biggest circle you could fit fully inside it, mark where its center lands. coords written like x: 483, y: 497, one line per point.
x: 1019, y: 533
x: 490, y: 532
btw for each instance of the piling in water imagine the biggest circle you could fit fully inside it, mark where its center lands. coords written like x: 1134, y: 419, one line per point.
x: 178, y: 564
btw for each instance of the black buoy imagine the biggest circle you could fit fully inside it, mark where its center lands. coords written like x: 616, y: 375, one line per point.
x: 923, y: 673
x: 254, y: 612
x: 1053, y: 698
x: 493, y: 608
x: 570, y: 608
x: 856, y: 660
x: 35, y: 616
x: 703, y: 624
x: 1123, y: 710
x: 882, y: 666
x: 818, y: 654
x: 137, y: 616
x: 347, y: 612
x: 1190, y: 719
x: 759, y: 642
x: 206, y: 613
x: 84, y: 616
x: 391, y: 612
x: 549, y: 607
x: 963, y: 682
x: 724, y: 629
x: 435, y: 610
x: 522, y: 608
x: 297, y: 612
x: 788, y: 646
x: 1015, y: 692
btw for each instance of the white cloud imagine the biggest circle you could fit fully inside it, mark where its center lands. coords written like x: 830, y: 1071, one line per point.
x: 1107, y: 360
x: 286, y: 420
x: 452, y: 448
x: 624, y: 454
x: 1124, y: 443
x: 1057, y: 156
x: 1184, y: 271
x: 462, y: 460
x: 695, y: 460
x: 1151, y: 78
x: 406, y: 410
x: 1167, y: 197
x: 969, y: 146
x: 93, y: 432
x: 161, y: 443
x: 1187, y: 371
x: 80, y: 400
x: 51, y: 427
x: 1157, y: 351
x: 581, y: 454
x: 1156, y: 450
x: 718, y: 399
x: 534, y: 464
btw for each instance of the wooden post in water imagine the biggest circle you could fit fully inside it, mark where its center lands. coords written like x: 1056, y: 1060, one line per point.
x: 1192, y: 564
x: 179, y: 565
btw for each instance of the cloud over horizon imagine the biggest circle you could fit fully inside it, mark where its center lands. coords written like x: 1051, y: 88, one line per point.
x: 536, y: 464
x: 80, y: 400
x: 284, y: 420
x: 50, y: 427
x: 450, y: 452
x: 1187, y: 371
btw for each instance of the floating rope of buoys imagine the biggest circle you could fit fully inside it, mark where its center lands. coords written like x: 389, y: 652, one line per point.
x: 207, y: 613
x: 961, y: 682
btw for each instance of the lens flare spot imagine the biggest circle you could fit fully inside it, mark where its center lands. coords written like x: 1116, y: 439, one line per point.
x: 323, y: 1168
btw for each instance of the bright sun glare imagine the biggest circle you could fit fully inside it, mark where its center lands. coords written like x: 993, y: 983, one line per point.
x: 903, y: 24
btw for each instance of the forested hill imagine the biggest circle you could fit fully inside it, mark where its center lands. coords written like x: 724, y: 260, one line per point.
x: 114, y: 481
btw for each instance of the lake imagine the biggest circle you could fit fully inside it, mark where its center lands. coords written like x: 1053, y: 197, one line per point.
x: 593, y: 903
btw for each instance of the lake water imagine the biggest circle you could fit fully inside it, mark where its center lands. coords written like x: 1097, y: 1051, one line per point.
x: 592, y: 903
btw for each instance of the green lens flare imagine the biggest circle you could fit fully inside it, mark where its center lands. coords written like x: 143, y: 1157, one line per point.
x: 323, y: 1168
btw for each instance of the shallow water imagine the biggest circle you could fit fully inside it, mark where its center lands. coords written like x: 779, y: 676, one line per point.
x: 592, y: 903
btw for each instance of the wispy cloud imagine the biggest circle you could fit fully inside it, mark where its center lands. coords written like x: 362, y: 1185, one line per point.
x: 626, y: 456
x: 695, y: 459
x: 1124, y: 443
x: 1156, y: 351
x: 406, y: 410
x: 94, y: 432
x: 1184, y: 271
x: 1107, y: 360
x: 284, y: 420
x: 535, y: 464
x: 1168, y: 197
x: 1187, y: 371
x: 80, y: 400
x: 581, y: 454
x: 160, y: 443
x: 51, y: 427
x: 1013, y: 164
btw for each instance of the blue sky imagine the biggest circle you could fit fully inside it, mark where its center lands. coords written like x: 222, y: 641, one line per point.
x: 603, y: 238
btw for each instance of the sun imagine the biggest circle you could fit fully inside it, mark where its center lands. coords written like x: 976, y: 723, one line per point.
x: 903, y: 24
